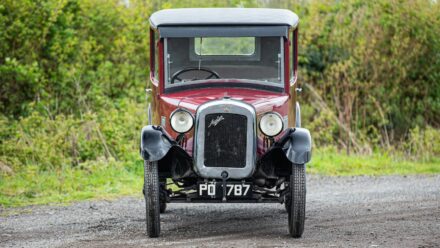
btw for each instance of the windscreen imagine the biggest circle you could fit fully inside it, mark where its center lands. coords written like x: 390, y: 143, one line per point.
x: 204, y: 59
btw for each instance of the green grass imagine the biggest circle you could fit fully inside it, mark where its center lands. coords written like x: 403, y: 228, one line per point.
x: 329, y: 162
x: 108, y: 180
x: 102, y: 181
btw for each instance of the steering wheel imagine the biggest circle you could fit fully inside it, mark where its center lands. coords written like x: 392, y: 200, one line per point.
x: 213, y: 74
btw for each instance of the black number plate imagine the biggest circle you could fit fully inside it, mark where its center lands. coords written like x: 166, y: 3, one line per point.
x: 233, y: 190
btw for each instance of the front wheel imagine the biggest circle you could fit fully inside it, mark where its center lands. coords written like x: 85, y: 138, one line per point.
x: 163, y: 196
x: 152, y: 204
x: 296, y: 205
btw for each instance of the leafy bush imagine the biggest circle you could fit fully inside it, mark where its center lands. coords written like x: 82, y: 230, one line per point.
x: 71, y: 56
x: 72, y: 75
x: 423, y: 144
x: 68, y: 141
x: 375, y: 64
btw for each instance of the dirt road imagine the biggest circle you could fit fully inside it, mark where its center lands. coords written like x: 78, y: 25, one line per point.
x: 341, y: 212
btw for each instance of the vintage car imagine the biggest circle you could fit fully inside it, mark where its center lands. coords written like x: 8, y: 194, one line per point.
x: 224, y: 122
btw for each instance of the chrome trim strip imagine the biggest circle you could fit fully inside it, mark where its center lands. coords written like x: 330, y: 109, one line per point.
x: 298, y: 115
x: 166, y: 62
x: 225, y: 106
x: 282, y: 59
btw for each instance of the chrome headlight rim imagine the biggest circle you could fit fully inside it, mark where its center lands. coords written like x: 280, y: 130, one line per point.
x: 281, y: 121
x: 178, y: 111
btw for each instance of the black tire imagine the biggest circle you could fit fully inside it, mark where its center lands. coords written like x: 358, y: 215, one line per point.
x: 163, y: 207
x: 152, y: 205
x: 163, y: 197
x: 297, y: 204
x: 287, y: 202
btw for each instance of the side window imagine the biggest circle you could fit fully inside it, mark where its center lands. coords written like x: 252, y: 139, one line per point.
x: 156, y: 59
x: 154, y: 55
x: 294, y: 58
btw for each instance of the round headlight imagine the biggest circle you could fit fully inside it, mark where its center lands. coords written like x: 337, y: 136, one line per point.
x: 181, y: 121
x: 271, y: 124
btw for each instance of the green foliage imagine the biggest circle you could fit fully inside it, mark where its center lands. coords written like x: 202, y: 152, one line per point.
x: 60, y: 54
x: 423, y: 144
x: 375, y: 64
x: 72, y: 75
x: 328, y: 161
x: 69, y: 158
x: 108, y: 135
x: 101, y: 180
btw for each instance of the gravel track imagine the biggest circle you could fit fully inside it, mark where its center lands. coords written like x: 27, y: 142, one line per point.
x: 392, y: 211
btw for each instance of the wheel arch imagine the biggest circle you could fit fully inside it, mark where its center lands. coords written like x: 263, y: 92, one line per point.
x: 298, y: 149
x: 155, y: 143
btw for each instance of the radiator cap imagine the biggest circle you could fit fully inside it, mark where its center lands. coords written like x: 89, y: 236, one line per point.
x: 225, y: 174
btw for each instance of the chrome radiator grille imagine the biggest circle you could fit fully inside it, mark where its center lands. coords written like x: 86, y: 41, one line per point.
x: 225, y: 140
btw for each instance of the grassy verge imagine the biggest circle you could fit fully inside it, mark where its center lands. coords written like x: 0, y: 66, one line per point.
x: 100, y: 181
x: 329, y: 162
x: 112, y: 179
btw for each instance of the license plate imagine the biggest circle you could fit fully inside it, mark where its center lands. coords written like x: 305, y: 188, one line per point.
x: 233, y: 190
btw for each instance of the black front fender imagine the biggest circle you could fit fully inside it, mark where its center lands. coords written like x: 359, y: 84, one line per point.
x: 155, y: 143
x: 295, y: 144
x: 299, y: 148
x: 294, y: 147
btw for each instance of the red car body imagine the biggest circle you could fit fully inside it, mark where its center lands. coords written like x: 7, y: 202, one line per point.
x: 264, y: 101
x: 234, y: 135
